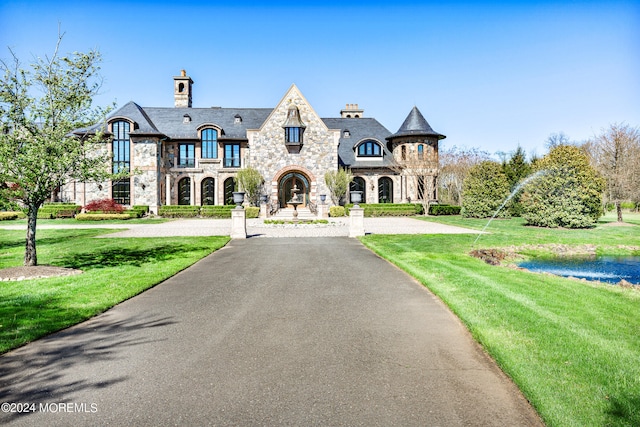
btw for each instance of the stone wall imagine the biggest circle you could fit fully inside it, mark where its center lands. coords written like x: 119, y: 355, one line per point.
x: 319, y: 152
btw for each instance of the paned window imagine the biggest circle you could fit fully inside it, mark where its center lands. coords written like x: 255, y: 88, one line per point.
x: 209, y: 143
x: 121, y: 162
x: 184, y: 191
x: 293, y: 135
x: 385, y: 190
x: 207, y: 191
x: 187, y: 156
x: 369, y: 149
x: 229, y: 188
x: 232, y: 155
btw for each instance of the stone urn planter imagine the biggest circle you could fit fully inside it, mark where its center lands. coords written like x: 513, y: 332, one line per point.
x: 238, y: 198
x: 356, y: 197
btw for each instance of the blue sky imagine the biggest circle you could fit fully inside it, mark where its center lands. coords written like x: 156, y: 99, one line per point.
x: 488, y: 74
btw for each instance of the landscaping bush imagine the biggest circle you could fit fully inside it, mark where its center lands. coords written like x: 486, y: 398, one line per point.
x: 444, y: 210
x: 143, y: 209
x: 104, y: 206
x: 58, y: 210
x: 568, y: 193
x: 336, y: 211
x: 388, y: 209
x: 216, y: 211
x: 485, y: 188
x: 8, y: 216
x: 179, y: 211
x: 101, y: 216
x: 252, y: 212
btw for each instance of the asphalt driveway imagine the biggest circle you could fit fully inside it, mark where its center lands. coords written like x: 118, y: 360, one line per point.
x: 290, y: 331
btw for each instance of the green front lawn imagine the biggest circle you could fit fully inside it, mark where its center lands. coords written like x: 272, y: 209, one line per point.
x: 573, y: 348
x: 113, y: 271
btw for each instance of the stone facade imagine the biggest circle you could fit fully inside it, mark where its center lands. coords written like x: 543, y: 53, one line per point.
x: 290, y: 145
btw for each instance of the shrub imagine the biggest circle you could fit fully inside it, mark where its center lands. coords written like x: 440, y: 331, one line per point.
x: 104, y: 206
x: 388, y: 209
x: 484, y: 190
x: 58, y: 210
x: 101, y: 216
x: 8, y: 216
x: 143, y: 209
x: 252, y: 212
x: 444, y: 210
x: 568, y: 192
x: 336, y: 211
x: 179, y: 211
x: 211, y: 211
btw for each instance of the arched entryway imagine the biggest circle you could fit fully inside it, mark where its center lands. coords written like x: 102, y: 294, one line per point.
x: 286, y: 185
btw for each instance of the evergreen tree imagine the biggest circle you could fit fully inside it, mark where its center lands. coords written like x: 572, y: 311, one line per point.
x: 485, y: 189
x: 568, y: 192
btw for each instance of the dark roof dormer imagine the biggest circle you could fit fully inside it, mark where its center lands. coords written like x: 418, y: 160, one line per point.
x: 293, y: 129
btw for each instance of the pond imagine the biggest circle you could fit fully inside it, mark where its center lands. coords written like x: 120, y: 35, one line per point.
x: 604, y: 269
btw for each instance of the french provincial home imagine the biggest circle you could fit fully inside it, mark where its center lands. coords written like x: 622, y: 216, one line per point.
x: 183, y: 155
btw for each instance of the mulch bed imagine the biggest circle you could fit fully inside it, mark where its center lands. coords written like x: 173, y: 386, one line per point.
x: 36, y: 272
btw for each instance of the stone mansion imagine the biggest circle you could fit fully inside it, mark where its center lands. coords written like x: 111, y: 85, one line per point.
x: 190, y: 156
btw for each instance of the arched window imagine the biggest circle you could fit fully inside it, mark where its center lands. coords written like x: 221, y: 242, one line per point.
x: 207, y: 191
x: 358, y: 184
x: 184, y: 191
x: 209, y: 139
x: 385, y: 190
x: 421, y: 188
x: 420, y: 152
x: 369, y: 149
x: 121, y: 162
x: 403, y: 152
x: 229, y: 188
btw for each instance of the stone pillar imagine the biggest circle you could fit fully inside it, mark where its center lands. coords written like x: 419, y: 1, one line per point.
x: 356, y: 222
x: 264, y: 210
x: 323, y: 211
x: 238, y: 223
x: 192, y: 189
x: 167, y: 190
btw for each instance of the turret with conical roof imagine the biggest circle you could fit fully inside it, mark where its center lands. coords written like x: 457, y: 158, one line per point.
x: 415, y: 125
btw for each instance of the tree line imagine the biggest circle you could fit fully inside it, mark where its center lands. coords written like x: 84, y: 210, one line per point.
x: 568, y: 187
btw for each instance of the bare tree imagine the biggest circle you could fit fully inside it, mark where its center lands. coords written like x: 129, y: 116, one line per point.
x: 455, y: 164
x: 420, y: 166
x: 556, y: 139
x: 616, y: 155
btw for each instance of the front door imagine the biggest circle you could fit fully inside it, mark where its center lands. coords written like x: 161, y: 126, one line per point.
x: 287, y: 184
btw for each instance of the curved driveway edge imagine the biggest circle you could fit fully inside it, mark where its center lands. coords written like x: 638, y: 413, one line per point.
x: 269, y: 332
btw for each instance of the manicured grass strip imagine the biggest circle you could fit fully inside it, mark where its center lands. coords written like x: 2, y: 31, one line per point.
x: 114, y: 270
x: 573, y: 348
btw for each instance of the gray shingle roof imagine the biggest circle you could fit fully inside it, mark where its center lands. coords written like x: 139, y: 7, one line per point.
x: 416, y: 124
x: 359, y: 129
x: 170, y: 121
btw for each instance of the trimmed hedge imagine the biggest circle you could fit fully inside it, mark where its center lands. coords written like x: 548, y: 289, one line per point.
x: 101, y: 217
x: 388, y: 209
x: 216, y: 211
x: 209, y: 211
x: 58, y: 210
x: 8, y: 216
x: 444, y: 210
x: 179, y: 211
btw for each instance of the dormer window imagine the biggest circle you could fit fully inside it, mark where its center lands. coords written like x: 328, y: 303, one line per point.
x: 293, y: 128
x: 186, y: 118
x: 346, y: 134
x: 237, y: 119
x: 369, y: 149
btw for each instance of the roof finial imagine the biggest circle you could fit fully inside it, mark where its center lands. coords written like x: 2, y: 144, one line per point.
x: 183, y: 73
